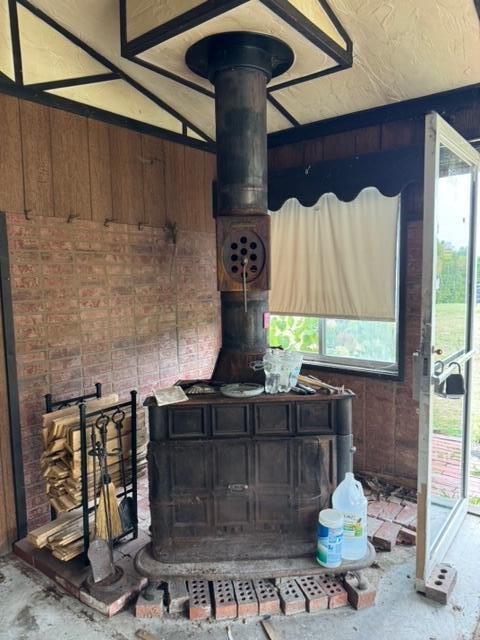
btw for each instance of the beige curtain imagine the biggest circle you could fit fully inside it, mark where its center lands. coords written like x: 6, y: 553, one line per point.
x: 336, y: 259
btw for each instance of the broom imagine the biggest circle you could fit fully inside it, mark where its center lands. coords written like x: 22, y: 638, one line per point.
x: 108, y: 523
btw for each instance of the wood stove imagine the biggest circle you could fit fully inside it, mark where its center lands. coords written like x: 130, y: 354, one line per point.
x: 229, y: 478
x: 244, y: 479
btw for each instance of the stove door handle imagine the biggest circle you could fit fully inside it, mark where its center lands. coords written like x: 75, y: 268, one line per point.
x: 237, y: 488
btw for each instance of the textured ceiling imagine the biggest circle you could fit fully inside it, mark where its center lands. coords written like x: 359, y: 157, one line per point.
x: 402, y: 49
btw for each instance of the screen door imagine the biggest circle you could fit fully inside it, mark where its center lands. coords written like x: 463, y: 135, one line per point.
x: 444, y: 360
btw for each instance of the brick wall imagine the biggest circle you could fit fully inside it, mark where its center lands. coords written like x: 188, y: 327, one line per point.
x: 105, y: 304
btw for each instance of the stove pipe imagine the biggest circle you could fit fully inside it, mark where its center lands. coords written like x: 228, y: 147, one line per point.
x: 240, y: 65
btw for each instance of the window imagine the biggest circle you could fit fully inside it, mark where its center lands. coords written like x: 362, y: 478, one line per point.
x: 361, y: 345
x: 335, y: 281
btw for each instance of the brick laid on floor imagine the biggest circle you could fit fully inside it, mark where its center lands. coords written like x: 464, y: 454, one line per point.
x: 291, y: 598
x: 315, y: 594
x: 200, y: 606
x: 246, y: 598
x: 386, y: 536
x: 224, y: 603
x: 268, y: 601
x: 337, y: 595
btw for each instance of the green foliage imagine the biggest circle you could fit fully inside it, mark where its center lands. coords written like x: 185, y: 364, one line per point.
x: 366, y: 340
x: 294, y: 333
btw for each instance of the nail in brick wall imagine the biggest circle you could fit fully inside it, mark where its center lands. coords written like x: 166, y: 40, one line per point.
x: 105, y: 304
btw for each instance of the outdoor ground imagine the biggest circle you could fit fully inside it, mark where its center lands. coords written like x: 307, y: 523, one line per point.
x: 33, y: 608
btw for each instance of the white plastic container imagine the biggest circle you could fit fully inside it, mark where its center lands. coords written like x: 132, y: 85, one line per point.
x: 348, y: 498
x: 329, y: 538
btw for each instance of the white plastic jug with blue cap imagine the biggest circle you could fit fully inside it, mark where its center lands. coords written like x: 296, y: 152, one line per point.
x: 348, y: 498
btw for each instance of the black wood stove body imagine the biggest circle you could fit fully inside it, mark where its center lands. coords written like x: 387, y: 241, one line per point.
x: 244, y: 479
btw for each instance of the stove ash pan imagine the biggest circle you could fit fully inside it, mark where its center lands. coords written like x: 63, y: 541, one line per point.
x: 244, y: 479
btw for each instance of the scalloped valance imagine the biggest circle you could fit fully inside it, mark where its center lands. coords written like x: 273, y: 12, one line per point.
x: 389, y: 171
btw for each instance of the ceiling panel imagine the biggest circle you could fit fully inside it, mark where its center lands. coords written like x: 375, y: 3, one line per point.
x: 6, y: 57
x: 117, y: 96
x: 47, y: 55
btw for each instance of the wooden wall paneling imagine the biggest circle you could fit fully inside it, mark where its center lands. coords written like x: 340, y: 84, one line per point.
x: 291, y: 155
x: 339, y: 145
x: 127, y: 176
x: 367, y: 140
x: 11, y: 170
x: 7, y: 498
x: 403, y: 133
x: 210, y: 169
x: 195, y: 189
x: 467, y: 121
x: 153, y: 165
x: 37, y: 158
x: 175, y: 180
x: 70, y: 161
x: 313, y: 151
x: 100, y: 174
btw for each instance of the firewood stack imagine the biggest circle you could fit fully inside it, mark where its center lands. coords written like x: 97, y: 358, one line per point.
x: 61, y: 467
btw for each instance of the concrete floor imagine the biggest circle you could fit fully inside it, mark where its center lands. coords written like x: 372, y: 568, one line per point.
x: 33, y: 608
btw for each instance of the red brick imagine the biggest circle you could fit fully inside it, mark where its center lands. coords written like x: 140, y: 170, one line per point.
x: 268, y: 601
x: 407, y: 536
x: 407, y: 515
x: 375, y: 508
x: 373, y: 525
x: 337, y: 595
x: 315, y: 594
x: 225, y: 605
x: 200, y: 606
x: 441, y: 582
x: 390, y: 511
x: 150, y: 608
x: 292, y: 599
x: 359, y: 598
x: 386, y: 536
x: 246, y: 598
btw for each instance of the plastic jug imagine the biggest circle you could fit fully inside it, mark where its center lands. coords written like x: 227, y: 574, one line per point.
x: 329, y: 538
x: 348, y: 498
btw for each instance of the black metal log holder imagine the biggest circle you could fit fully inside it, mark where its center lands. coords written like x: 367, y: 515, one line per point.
x: 71, y: 402
x: 51, y: 406
x: 93, y: 428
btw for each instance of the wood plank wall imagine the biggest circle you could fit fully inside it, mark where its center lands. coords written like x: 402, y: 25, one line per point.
x: 54, y: 163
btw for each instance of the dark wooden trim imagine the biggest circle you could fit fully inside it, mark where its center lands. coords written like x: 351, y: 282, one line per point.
x: 444, y: 103
x: 171, y: 76
x: 12, y: 382
x: 282, y: 110
x: 205, y: 11
x: 5, y: 78
x: 57, y: 102
x: 477, y: 6
x: 388, y: 171
x: 15, y: 35
x: 312, y: 76
x: 316, y: 36
x: 109, y: 65
x: 72, y: 82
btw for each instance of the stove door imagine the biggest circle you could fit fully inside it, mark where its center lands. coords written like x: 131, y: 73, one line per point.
x: 243, y: 498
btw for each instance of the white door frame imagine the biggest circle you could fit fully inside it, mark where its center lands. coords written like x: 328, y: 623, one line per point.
x: 437, y: 132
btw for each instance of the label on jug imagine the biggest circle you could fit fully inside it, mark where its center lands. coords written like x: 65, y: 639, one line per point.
x: 329, y: 545
x: 353, y: 527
